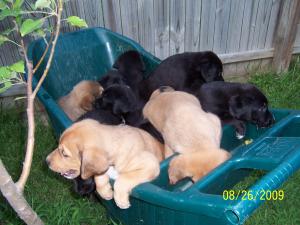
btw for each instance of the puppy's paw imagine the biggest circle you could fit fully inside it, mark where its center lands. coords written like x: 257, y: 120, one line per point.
x: 122, y: 199
x: 177, y: 169
x: 106, y: 192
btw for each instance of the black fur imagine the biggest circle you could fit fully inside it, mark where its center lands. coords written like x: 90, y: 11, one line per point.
x: 120, y: 99
x: 110, y: 78
x: 235, y: 104
x: 132, y: 68
x: 183, y: 72
x: 84, y: 187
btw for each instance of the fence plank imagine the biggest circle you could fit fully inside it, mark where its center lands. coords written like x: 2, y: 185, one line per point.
x: 192, y: 25
x: 146, y: 24
x: 285, y: 35
x: 177, y: 26
x: 129, y: 18
x: 91, y: 11
x: 162, y: 28
x: 272, y: 23
x: 221, y: 25
x: 112, y: 15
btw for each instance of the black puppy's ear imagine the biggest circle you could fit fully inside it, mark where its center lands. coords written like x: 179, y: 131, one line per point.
x: 117, y: 64
x: 237, y: 104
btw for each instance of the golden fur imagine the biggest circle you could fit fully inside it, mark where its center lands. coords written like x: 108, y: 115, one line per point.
x: 80, y: 99
x: 186, y: 129
x: 89, y: 148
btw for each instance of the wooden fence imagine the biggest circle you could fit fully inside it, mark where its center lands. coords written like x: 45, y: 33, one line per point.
x: 242, y: 32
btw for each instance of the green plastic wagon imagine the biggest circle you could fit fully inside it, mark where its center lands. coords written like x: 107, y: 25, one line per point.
x: 89, y: 54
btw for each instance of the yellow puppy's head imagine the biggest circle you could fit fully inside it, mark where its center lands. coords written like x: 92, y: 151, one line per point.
x: 86, y: 92
x: 78, y: 154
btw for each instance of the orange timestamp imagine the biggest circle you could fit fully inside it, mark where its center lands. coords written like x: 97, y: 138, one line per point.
x: 262, y: 195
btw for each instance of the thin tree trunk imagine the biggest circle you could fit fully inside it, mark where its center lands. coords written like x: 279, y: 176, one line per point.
x: 16, y: 199
x: 30, y: 101
x: 31, y: 128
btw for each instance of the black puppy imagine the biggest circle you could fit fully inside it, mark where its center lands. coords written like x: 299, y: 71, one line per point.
x: 120, y: 99
x: 235, y: 104
x: 128, y: 69
x: 132, y: 68
x: 84, y: 187
x: 183, y: 72
x: 117, y: 105
x: 110, y: 78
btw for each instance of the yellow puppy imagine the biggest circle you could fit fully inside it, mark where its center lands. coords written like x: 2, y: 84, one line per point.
x: 186, y: 129
x: 80, y: 99
x: 89, y: 148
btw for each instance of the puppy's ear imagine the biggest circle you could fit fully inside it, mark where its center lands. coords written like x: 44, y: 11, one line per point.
x: 93, y: 162
x: 87, y: 102
x: 118, y: 64
x: 237, y: 104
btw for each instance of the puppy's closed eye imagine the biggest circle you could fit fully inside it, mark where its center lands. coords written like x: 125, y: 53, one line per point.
x: 64, y: 152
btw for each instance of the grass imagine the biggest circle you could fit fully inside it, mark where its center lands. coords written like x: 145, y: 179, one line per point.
x: 51, y: 195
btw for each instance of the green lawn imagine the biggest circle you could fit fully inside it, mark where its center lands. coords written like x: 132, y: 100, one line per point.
x: 51, y: 195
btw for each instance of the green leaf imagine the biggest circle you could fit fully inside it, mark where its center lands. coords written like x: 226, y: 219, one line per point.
x: 17, y: 4
x: 18, y: 67
x: 19, y: 20
x: 30, y: 25
x: 3, y: 5
x: 9, y: 12
x: 76, y: 21
x: 5, y: 73
x: 40, y: 4
x: 4, y: 86
x: 3, y: 39
x: 9, y: 1
x: 40, y: 33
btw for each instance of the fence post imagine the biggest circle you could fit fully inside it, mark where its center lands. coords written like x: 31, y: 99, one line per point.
x: 285, y: 34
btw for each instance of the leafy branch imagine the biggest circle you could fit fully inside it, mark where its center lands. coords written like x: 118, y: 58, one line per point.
x: 12, y: 9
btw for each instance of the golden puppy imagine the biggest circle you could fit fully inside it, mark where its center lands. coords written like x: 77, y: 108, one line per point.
x: 89, y: 148
x: 186, y: 129
x: 80, y: 99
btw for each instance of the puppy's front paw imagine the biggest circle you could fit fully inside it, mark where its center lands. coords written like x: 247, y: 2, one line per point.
x: 122, y: 199
x: 176, y: 169
x: 106, y: 192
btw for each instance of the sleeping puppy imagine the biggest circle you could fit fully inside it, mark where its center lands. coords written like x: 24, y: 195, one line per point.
x: 80, y: 99
x: 110, y: 78
x: 118, y: 104
x: 236, y: 104
x: 128, y: 69
x: 88, y: 149
x: 132, y: 68
x: 188, y: 130
x: 120, y: 99
x: 183, y: 72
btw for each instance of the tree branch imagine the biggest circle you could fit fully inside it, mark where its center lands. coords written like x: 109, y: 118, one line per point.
x: 44, y: 54
x: 16, y: 199
x: 30, y: 102
x: 31, y: 125
x: 60, y: 8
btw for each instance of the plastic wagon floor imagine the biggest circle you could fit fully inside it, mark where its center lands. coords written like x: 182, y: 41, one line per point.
x: 88, y: 54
